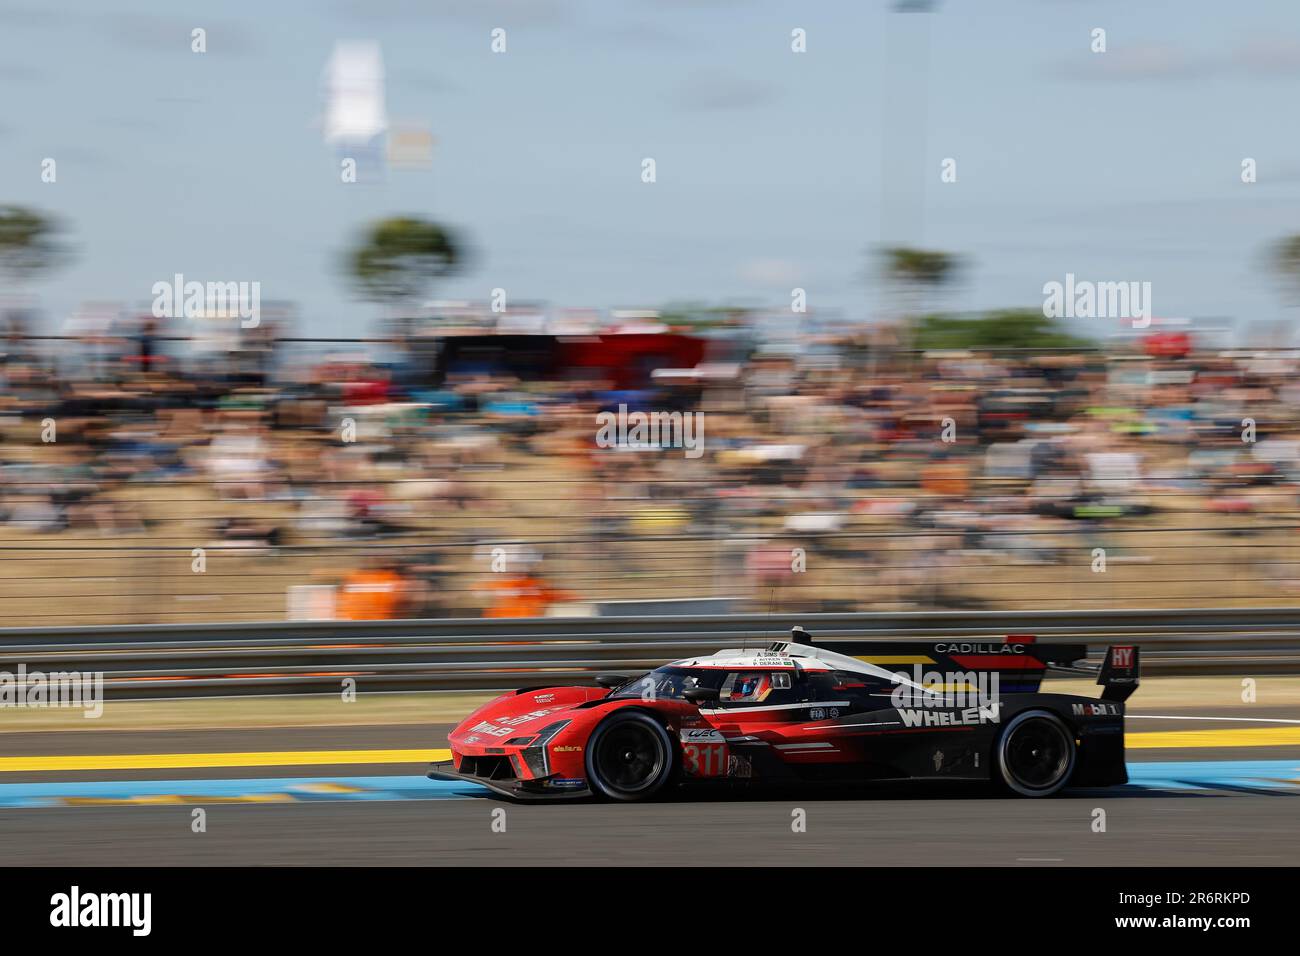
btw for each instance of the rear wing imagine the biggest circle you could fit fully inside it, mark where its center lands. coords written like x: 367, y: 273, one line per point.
x: 1019, y: 660
x: 1119, y: 672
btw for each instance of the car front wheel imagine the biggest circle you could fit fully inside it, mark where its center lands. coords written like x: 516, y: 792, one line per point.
x: 629, y: 756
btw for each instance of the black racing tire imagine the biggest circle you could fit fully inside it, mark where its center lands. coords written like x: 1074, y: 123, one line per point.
x: 630, y: 756
x: 1035, y: 754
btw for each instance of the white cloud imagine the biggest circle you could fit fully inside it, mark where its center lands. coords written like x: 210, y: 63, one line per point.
x: 1268, y: 55
x: 1146, y: 62
x: 1257, y: 56
x: 716, y: 90
x: 770, y: 272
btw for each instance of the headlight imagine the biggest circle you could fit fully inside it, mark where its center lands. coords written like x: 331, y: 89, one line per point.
x: 549, y: 731
x: 535, y: 756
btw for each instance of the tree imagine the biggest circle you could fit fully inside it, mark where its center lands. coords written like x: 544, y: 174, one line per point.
x: 921, y: 268
x: 28, y: 244
x: 1002, y: 329
x: 1286, y: 263
x: 401, y: 258
x: 915, y: 273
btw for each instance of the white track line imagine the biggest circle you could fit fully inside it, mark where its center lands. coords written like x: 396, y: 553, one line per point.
x: 1252, y: 720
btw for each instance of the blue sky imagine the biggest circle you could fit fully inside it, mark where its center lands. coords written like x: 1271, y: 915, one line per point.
x: 771, y: 165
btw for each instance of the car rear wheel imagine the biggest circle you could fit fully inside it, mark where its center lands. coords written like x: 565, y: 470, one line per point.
x: 1035, y: 754
x: 629, y: 756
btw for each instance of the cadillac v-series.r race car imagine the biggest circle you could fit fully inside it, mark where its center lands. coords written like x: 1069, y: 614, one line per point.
x: 794, y: 712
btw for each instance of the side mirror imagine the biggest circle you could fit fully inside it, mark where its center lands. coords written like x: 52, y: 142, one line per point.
x: 611, y: 680
x: 701, y: 695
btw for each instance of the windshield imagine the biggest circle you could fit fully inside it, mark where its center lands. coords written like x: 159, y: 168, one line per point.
x: 669, y: 683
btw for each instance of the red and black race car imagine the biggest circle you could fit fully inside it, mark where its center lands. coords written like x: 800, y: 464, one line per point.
x: 970, y: 709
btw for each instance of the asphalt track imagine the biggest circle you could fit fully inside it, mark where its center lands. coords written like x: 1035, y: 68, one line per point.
x: 1228, y: 795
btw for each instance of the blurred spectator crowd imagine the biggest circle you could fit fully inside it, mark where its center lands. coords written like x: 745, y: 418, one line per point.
x: 354, y: 481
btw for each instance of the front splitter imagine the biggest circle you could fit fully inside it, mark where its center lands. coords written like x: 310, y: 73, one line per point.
x: 514, y: 789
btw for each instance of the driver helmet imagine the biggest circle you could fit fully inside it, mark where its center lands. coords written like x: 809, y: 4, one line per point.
x: 752, y: 687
